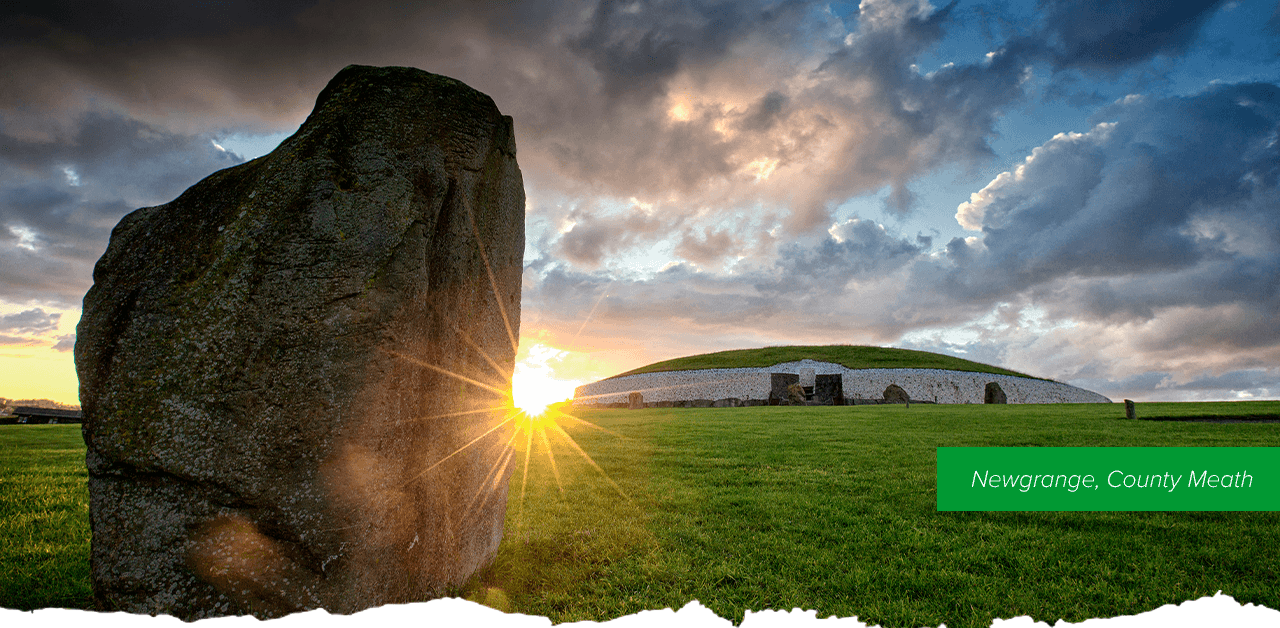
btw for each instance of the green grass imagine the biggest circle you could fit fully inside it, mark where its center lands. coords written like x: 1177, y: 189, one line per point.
x: 823, y: 508
x: 853, y: 357
x: 833, y: 509
x: 1224, y: 409
x: 44, y: 518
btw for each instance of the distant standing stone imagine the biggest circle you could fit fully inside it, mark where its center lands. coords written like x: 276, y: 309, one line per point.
x: 635, y: 401
x: 280, y: 369
x: 1130, y: 412
x: 994, y: 394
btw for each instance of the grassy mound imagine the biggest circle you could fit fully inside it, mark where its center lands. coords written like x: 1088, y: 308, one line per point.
x: 853, y: 357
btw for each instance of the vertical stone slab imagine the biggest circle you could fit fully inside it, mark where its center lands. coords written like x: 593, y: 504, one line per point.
x: 1130, y: 411
x: 778, y: 386
x: 289, y: 374
x: 635, y: 401
x: 828, y: 390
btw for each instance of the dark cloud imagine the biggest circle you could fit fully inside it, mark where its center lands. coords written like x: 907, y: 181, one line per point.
x: 636, y: 46
x: 910, y: 123
x: 1252, y: 380
x: 707, y: 248
x: 1170, y: 204
x: 765, y: 113
x: 857, y: 249
x: 33, y: 321
x: 726, y: 134
x: 1110, y: 35
x: 592, y: 235
x: 592, y: 86
x: 123, y: 22
x: 59, y: 199
x: 1066, y: 87
x: 1164, y: 386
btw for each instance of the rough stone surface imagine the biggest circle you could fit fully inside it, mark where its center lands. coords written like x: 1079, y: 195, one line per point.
x: 778, y: 385
x: 795, y: 395
x: 265, y: 364
x: 828, y: 390
x: 1130, y: 412
x: 895, y: 394
x: 994, y: 394
x: 635, y: 401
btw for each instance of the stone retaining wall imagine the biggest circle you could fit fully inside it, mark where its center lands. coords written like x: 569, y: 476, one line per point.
x: 931, y: 385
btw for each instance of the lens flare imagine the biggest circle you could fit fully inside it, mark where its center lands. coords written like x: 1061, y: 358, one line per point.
x: 532, y: 390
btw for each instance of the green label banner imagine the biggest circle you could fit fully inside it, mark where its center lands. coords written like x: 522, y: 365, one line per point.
x: 1108, y: 478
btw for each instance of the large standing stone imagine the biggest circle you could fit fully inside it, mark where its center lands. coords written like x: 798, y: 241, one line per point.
x: 896, y: 394
x: 828, y: 390
x: 288, y: 372
x: 779, y: 383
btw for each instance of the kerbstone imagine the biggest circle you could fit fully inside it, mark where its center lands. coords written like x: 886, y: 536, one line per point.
x: 280, y: 369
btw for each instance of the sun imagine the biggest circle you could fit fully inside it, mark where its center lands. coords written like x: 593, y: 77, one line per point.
x: 534, y: 385
x: 533, y: 389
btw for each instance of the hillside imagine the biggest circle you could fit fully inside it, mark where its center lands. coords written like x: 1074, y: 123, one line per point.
x: 854, y: 357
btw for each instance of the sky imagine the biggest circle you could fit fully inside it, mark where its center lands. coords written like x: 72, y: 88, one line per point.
x: 1085, y: 191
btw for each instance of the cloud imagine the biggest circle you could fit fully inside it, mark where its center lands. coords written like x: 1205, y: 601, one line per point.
x: 590, y: 235
x: 33, y: 321
x: 708, y: 248
x: 719, y: 141
x: 1164, y: 386
x: 1149, y: 243
x: 60, y: 198
x: 1105, y: 35
x: 708, y: 105
x: 834, y: 289
x: 32, y: 328
x: 1166, y: 204
x: 637, y: 47
x: 65, y: 343
x: 856, y: 248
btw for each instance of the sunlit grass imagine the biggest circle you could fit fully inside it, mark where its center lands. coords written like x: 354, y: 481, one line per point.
x: 830, y: 509
x: 833, y: 509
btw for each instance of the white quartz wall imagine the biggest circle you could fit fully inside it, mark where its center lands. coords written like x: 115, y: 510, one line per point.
x: 936, y: 385
x: 751, y: 383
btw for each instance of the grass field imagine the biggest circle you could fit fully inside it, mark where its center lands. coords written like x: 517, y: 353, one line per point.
x: 824, y: 508
x: 833, y: 509
x: 44, y: 518
x: 851, y: 356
